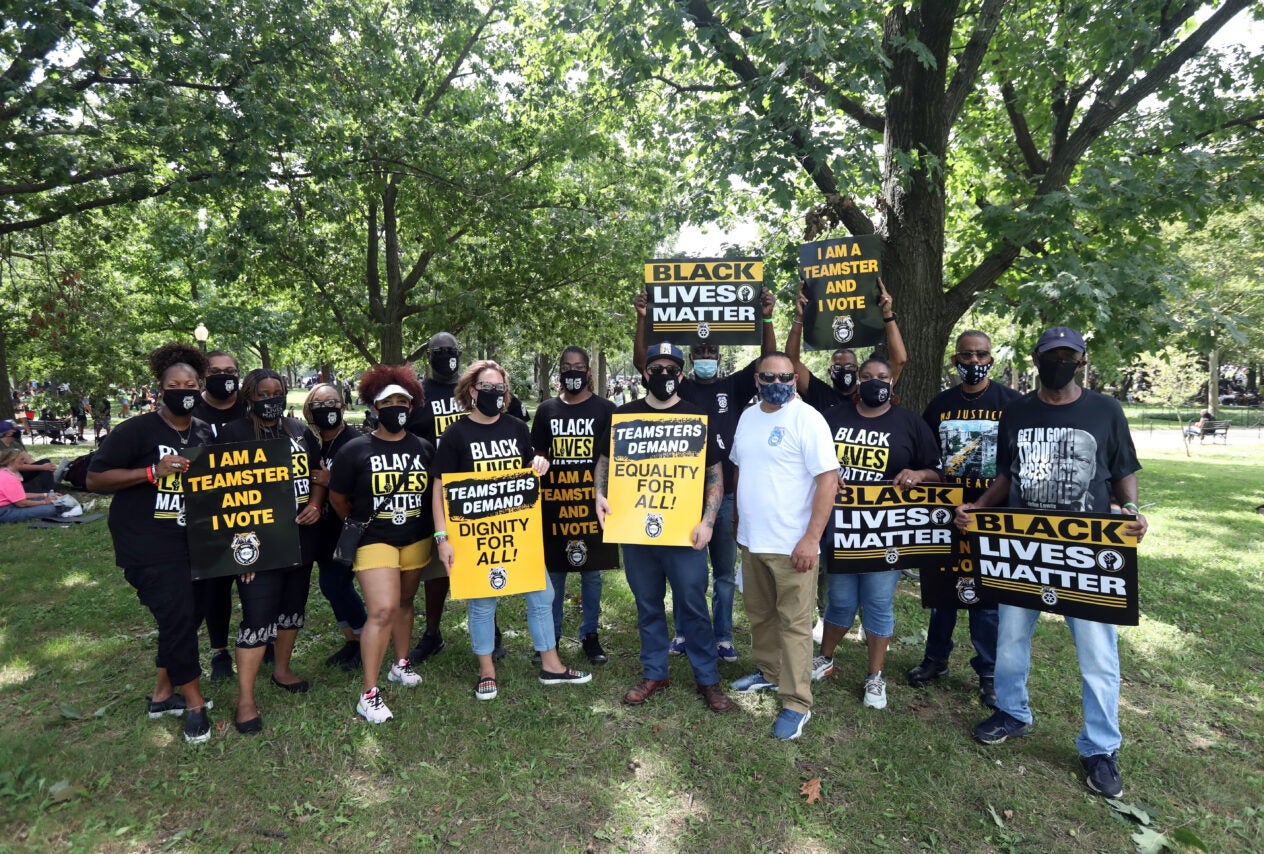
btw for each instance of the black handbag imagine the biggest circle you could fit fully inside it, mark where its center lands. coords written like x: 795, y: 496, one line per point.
x: 353, y: 529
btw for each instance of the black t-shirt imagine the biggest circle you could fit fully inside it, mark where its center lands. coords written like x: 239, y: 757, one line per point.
x: 211, y: 415
x: 822, y: 396
x: 567, y: 434
x: 723, y: 401
x: 430, y: 418
x: 1064, y: 457
x: 330, y: 526
x: 147, y: 520
x: 876, y: 449
x: 967, y: 434
x: 467, y: 446
x: 366, y: 469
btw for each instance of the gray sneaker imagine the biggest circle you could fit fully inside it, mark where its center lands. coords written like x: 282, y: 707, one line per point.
x: 752, y: 683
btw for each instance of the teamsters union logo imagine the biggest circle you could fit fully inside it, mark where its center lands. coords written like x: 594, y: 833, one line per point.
x: 399, y: 516
x: 245, y: 548
x: 498, y: 578
x: 893, y: 556
x: 1049, y: 596
x: 844, y: 328
x: 966, y: 591
x: 576, y: 552
x: 653, y: 525
x: 775, y: 437
x: 704, y: 329
x: 189, y: 402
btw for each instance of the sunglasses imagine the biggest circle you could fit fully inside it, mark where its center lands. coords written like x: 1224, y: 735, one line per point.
x: 496, y: 387
x: 770, y: 377
x: 326, y: 404
x: 670, y: 370
x: 212, y: 372
x: 978, y: 354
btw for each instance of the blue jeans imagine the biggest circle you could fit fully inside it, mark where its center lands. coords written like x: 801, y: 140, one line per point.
x: 649, y: 569
x: 589, y: 598
x: 9, y: 513
x: 1096, y: 646
x: 482, y: 618
x: 872, y: 591
x: 982, y: 634
x: 337, y: 585
x: 723, y: 553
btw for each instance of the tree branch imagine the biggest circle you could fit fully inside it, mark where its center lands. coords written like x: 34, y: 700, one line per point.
x: 455, y: 67
x: 133, y: 194
x: 865, y: 117
x: 81, y: 178
x: 971, y: 59
x: 1036, y: 165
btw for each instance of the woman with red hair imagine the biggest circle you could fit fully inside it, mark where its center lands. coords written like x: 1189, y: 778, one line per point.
x: 383, y: 478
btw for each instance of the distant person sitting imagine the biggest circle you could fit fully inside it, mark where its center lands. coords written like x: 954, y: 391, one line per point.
x: 16, y: 504
x: 1196, y: 429
x: 36, y: 475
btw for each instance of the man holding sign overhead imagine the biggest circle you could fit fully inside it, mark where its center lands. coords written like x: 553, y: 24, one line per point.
x: 1062, y: 447
x: 659, y: 487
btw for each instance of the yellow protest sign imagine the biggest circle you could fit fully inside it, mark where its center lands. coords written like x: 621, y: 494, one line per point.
x: 657, y: 470
x: 494, y: 525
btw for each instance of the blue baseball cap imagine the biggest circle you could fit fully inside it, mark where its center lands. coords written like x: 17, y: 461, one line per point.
x: 1060, y: 336
x: 666, y: 350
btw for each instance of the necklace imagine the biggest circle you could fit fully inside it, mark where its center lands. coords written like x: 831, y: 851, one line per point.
x: 978, y: 394
x: 184, y: 437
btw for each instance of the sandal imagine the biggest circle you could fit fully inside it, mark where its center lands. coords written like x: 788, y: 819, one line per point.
x: 485, y: 688
x: 299, y: 687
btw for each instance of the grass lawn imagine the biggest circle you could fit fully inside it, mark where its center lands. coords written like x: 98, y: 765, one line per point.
x: 572, y: 769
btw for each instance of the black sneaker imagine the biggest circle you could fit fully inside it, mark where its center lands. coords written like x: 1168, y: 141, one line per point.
x: 430, y: 643
x: 927, y: 672
x: 592, y: 649
x: 987, y: 691
x: 999, y: 727
x: 197, y: 726
x: 173, y: 705
x: 536, y: 658
x: 347, y: 658
x: 221, y: 666
x: 1103, y: 774
x: 498, y: 651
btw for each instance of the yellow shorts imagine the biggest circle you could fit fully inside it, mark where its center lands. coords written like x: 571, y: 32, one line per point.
x: 383, y: 555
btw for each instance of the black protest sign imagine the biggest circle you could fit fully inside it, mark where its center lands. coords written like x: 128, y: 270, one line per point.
x: 842, y: 285
x: 239, y: 503
x: 692, y: 300
x: 1075, y: 564
x: 954, y: 584
x: 878, y: 526
x: 572, y: 536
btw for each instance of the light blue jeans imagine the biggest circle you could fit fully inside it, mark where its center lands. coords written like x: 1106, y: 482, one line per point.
x: 10, y: 513
x: 874, y: 592
x: 589, y: 598
x: 482, y: 618
x: 1097, y: 647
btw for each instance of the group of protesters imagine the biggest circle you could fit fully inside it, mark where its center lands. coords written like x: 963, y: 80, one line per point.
x: 779, y: 444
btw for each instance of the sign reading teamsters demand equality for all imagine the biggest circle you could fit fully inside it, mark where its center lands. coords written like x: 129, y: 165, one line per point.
x: 1074, y: 564
x: 694, y: 300
x: 239, y: 505
x: 879, y: 526
x: 657, y: 473
x: 842, y: 283
x: 496, y: 531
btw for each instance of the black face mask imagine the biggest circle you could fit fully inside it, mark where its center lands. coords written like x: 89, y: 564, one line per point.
x: 327, y: 419
x: 489, y: 402
x: 662, y: 386
x: 268, y: 409
x: 973, y: 374
x: 222, y: 386
x: 574, y: 381
x: 179, y: 401
x: 875, y: 392
x: 1055, y: 375
x: 444, y: 363
x: 393, y: 418
x: 844, y: 378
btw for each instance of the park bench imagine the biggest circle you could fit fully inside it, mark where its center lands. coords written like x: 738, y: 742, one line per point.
x: 55, y: 430
x: 1214, y: 429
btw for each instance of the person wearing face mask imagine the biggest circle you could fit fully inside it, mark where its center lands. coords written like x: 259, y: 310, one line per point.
x: 219, y: 403
x: 1062, y: 435
x: 396, y: 545
x: 650, y: 569
x: 876, y: 440
x: 324, y: 412
x: 438, y: 411
x: 964, y: 418
x: 787, y: 479
x: 142, y: 462
x: 274, y: 603
x: 565, y: 431
x: 723, y: 399
x: 488, y: 440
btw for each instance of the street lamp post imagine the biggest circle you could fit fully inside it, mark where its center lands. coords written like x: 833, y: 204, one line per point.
x: 201, y: 333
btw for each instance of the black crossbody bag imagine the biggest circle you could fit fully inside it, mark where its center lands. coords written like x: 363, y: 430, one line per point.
x: 353, y: 529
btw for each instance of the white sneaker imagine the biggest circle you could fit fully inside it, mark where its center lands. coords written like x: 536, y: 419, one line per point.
x: 875, y: 692
x: 403, y: 673
x: 818, y: 631
x: 822, y: 667
x: 372, y: 709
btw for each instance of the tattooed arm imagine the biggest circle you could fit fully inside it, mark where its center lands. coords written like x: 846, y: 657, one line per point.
x: 712, y: 495
x: 601, y: 477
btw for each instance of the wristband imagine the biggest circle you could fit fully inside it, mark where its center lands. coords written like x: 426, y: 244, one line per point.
x: 767, y: 320
x: 151, y: 475
x: 1135, y: 508
x: 440, y: 535
x: 796, y: 322
x: 890, y: 319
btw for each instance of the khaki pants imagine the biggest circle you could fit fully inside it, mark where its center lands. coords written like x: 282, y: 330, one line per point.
x: 779, y: 602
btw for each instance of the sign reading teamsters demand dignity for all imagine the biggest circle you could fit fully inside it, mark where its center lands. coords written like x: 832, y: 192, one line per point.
x: 879, y: 526
x: 657, y: 468
x: 494, y: 525
x: 842, y: 283
x: 1075, y: 564
x: 239, y: 501
x: 704, y: 299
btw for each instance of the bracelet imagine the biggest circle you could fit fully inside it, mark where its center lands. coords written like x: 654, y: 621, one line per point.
x: 440, y: 534
x: 796, y: 322
x: 767, y: 320
x: 890, y: 319
x: 1135, y: 508
x: 151, y: 474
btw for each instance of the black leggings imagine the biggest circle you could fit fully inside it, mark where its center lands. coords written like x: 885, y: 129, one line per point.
x: 275, y: 599
x: 167, y: 591
x: 215, y: 596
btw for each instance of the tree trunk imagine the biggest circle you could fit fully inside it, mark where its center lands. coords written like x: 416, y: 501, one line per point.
x: 603, y: 380
x: 1213, y: 379
x: 543, y: 370
x: 265, y: 356
x: 6, y: 390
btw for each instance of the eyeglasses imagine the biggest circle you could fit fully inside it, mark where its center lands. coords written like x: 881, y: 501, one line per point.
x: 214, y: 372
x: 326, y: 404
x: 670, y: 370
x: 978, y: 354
x: 770, y: 377
x: 497, y: 387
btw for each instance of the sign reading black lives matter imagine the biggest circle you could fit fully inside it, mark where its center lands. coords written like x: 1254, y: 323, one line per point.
x: 239, y: 505
x: 704, y: 299
x: 1074, y: 564
x: 878, y: 526
x: 842, y: 284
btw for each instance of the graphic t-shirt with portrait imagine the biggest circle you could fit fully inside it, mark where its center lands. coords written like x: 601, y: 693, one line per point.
x: 967, y: 434
x: 367, y: 469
